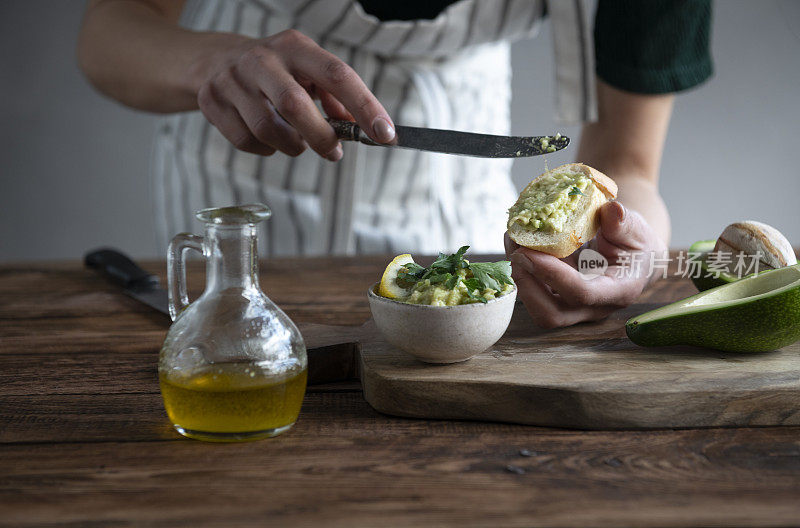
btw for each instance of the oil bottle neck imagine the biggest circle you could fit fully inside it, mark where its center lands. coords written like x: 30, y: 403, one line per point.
x: 231, y: 257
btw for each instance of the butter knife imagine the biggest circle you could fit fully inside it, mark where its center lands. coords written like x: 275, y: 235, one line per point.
x: 455, y: 142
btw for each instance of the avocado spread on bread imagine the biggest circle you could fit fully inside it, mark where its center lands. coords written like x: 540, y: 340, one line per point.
x: 546, y: 204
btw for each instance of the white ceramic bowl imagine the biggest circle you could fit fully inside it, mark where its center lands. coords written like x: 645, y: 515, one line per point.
x: 442, y: 334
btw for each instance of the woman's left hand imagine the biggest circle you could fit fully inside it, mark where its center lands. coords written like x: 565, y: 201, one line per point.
x: 556, y: 294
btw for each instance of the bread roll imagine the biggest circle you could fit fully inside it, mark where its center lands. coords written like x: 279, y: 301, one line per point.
x: 580, y: 225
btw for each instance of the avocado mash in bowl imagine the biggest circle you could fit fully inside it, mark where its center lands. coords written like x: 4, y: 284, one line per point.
x: 438, y: 294
x: 444, y: 313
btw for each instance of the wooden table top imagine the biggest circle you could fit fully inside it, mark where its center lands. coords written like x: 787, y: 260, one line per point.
x: 85, y: 440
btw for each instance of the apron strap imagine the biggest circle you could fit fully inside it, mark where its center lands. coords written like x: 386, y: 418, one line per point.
x: 576, y: 99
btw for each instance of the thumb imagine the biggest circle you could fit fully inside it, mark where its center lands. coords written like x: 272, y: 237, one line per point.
x: 621, y: 227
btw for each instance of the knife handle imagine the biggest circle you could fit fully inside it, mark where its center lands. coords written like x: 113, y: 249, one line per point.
x: 334, y: 352
x: 119, y: 268
x: 349, y: 131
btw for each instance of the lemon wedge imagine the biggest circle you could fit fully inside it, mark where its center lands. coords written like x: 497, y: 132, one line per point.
x: 388, y: 287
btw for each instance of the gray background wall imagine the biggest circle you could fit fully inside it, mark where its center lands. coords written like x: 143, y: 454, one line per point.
x: 75, y: 167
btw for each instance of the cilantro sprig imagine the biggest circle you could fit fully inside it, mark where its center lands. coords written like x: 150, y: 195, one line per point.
x: 492, y: 274
x: 445, y: 270
x: 574, y: 191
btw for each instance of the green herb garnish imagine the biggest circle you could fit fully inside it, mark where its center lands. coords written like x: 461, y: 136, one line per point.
x: 492, y: 274
x: 472, y: 285
x: 452, y: 282
x: 450, y: 263
x: 485, y: 275
x: 574, y: 191
x: 410, y: 273
x: 440, y: 277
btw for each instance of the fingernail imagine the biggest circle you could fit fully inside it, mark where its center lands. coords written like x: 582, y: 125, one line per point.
x: 622, y: 212
x: 336, y: 154
x: 383, y: 130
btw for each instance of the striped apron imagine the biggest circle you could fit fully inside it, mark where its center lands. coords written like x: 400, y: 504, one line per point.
x: 451, y: 72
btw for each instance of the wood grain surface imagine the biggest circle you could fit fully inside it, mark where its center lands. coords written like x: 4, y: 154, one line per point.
x: 587, y: 376
x: 85, y: 441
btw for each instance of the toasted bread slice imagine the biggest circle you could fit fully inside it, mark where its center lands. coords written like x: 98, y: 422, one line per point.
x: 580, y: 225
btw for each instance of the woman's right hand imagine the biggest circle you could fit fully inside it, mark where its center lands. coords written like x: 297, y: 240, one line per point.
x: 259, y: 94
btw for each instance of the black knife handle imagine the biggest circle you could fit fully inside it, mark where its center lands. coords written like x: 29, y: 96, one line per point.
x: 119, y: 268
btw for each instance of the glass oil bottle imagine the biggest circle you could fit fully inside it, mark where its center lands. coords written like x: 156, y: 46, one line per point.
x: 233, y: 365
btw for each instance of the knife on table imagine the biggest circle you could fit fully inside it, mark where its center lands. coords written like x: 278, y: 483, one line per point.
x: 455, y: 142
x: 135, y: 281
x: 327, y: 362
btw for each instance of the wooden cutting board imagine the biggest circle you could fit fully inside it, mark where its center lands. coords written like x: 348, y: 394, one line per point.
x: 587, y: 376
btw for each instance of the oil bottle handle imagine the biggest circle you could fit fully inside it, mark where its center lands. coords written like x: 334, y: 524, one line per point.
x: 176, y: 270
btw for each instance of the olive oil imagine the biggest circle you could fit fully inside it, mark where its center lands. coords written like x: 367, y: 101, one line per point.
x: 233, y: 401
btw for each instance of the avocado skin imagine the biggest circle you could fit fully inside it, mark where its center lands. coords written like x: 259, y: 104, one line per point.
x: 762, y: 325
x: 703, y: 283
x: 706, y: 283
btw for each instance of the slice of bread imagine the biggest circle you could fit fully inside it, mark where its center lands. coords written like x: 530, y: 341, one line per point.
x: 580, y: 226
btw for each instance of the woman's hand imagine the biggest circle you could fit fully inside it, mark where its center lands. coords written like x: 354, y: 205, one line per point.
x: 259, y: 94
x: 556, y: 294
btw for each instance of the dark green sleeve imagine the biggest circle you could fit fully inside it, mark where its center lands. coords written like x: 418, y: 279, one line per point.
x: 653, y: 46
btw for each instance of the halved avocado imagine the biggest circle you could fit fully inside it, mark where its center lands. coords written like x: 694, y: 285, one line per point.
x: 702, y: 282
x: 754, y: 314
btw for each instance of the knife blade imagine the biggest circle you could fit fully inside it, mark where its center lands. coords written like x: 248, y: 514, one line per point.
x: 328, y: 360
x: 456, y: 142
x: 135, y: 281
